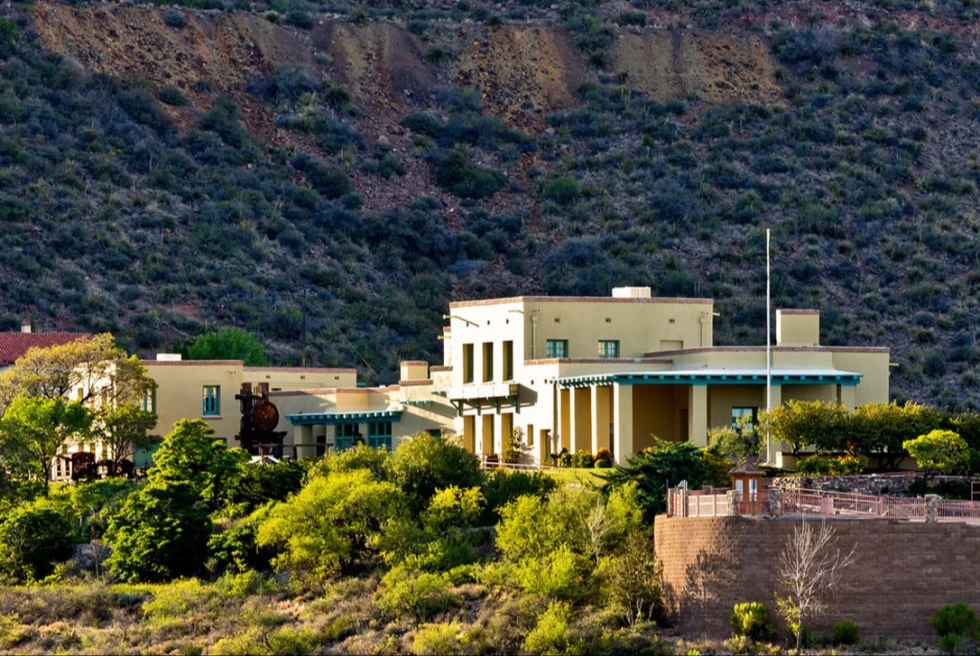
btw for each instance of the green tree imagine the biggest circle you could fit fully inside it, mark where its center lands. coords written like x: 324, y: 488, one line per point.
x: 655, y: 469
x: 34, y: 429
x: 329, y: 523
x: 162, y: 530
x: 425, y: 463
x: 938, y: 451
x: 123, y: 429
x: 189, y: 454
x: 737, y: 443
x: 84, y: 370
x: 32, y: 540
x: 228, y: 344
x: 802, y: 424
x: 633, y: 582
x: 880, y: 429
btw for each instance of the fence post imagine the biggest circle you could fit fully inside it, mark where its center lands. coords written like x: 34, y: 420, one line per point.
x: 775, y: 502
x: 732, y: 498
x: 932, y: 504
x: 682, y: 494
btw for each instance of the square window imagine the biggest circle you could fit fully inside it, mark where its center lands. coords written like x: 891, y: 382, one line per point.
x: 379, y: 435
x: 211, y: 401
x: 609, y: 348
x: 556, y: 348
x: 746, y: 417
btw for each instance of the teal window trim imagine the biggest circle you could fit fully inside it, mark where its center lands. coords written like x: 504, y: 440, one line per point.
x: 609, y: 348
x: 150, y: 401
x: 379, y: 434
x: 347, y: 436
x: 211, y: 401
x: 556, y: 348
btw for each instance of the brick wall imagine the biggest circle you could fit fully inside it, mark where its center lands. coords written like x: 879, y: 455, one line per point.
x: 903, y: 572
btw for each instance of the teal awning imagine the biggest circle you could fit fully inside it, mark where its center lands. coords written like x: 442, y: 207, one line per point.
x: 715, y: 377
x: 333, y: 418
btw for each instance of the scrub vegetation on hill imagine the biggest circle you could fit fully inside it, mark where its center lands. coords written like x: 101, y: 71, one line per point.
x: 157, y: 209
x: 416, y: 551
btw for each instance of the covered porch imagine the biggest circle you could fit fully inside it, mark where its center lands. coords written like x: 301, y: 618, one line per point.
x: 315, y: 432
x: 623, y: 411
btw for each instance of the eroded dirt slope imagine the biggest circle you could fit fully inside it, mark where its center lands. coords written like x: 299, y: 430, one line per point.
x: 715, y: 67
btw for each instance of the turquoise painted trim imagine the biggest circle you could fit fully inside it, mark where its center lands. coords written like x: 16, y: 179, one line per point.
x: 333, y: 418
x: 850, y: 380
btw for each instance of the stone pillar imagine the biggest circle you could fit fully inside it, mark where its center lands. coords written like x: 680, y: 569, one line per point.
x: 732, y: 498
x: 845, y: 396
x: 697, y: 408
x: 622, y: 422
x: 775, y: 502
x: 601, y: 417
x: 932, y: 506
x: 581, y: 419
x: 777, y: 400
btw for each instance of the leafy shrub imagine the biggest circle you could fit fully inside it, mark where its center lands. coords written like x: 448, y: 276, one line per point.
x: 175, y: 18
x: 654, y: 470
x: 582, y: 458
x: 552, y: 634
x: 751, y: 620
x: 846, y: 632
x: 423, y: 464
x: 32, y: 540
x: 633, y: 581
x: 954, y: 623
x: 562, y: 189
x: 178, y: 599
x: 443, y: 639
x: 264, y: 642
x: 502, y: 487
x: 329, y: 522
x: 558, y: 575
x: 300, y: 19
x: 418, y: 594
x: 171, y: 95
x: 457, y: 174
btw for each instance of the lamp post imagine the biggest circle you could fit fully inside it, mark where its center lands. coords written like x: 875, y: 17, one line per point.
x: 768, y: 353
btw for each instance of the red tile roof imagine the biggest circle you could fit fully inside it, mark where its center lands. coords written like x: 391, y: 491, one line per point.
x: 14, y: 345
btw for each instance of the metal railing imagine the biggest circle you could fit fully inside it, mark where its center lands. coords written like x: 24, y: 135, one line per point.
x: 817, y: 503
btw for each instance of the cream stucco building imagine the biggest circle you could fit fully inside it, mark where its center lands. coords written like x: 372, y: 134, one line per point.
x: 579, y: 373
x: 587, y: 373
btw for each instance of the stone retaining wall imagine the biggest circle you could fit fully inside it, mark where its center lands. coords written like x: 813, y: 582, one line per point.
x: 903, y: 571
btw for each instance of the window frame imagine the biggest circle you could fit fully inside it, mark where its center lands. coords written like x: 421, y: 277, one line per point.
x: 487, y: 362
x: 468, y: 357
x: 604, y: 348
x: 752, y: 411
x: 550, y: 351
x: 345, y: 439
x: 508, y: 359
x: 379, y: 438
x: 211, y: 401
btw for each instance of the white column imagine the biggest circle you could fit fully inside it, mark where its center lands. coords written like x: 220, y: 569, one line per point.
x: 622, y: 422
x: 600, y: 417
x: 697, y: 408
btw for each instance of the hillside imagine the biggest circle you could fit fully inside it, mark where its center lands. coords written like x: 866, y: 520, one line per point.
x: 163, y: 169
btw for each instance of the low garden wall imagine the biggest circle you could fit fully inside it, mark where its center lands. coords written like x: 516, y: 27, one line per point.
x: 902, y: 573
x: 864, y: 483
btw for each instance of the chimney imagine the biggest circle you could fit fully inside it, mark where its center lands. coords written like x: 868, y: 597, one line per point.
x: 631, y: 292
x: 797, y: 327
x: 25, y: 326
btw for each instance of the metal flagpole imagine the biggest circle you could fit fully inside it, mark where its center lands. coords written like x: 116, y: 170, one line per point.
x: 768, y: 354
